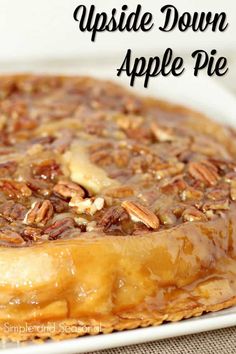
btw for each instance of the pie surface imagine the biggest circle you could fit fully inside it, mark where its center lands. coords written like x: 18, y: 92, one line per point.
x: 116, y: 211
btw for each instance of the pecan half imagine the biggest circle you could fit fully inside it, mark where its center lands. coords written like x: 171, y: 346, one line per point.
x: 40, y: 213
x: 59, y: 228
x: 11, y: 237
x: 15, y: 189
x: 68, y: 189
x: 204, y: 171
x: 139, y: 213
x: 48, y: 169
x: 12, y: 211
x: 167, y: 169
x: 111, y: 217
x: 40, y: 186
x: 220, y: 193
x: 191, y: 193
x: 216, y: 205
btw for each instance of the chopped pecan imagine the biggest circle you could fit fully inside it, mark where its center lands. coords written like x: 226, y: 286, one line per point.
x: 40, y: 213
x: 178, y: 209
x: 88, y: 206
x: 162, y: 134
x: 59, y: 228
x: 69, y: 189
x: 31, y: 233
x: 216, y: 205
x: 127, y: 122
x: 173, y: 185
x: 204, y: 171
x: 191, y: 193
x: 139, y: 213
x: 192, y: 214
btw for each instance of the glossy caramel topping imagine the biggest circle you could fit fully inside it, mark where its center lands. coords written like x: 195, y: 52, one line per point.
x: 80, y: 156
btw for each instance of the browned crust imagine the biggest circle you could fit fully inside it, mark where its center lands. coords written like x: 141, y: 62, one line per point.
x: 75, y: 329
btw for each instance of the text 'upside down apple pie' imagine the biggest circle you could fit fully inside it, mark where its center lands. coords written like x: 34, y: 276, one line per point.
x: 116, y: 211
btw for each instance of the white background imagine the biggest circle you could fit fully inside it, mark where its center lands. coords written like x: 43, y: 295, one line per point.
x: 32, y: 29
x: 41, y: 35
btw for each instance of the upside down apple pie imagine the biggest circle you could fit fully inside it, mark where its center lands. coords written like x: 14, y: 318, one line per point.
x: 116, y: 211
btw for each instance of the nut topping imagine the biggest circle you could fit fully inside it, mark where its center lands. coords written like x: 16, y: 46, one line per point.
x: 162, y: 134
x: 13, y: 211
x: 166, y: 170
x: 111, y: 217
x: 15, y: 189
x: 216, y: 205
x: 204, y: 171
x: 40, y: 213
x: 88, y: 206
x: 139, y: 213
x: 59, y: 228
x: 191, y: 194
x: 79, y: 156
x: 192, y: 214
x: 11, y: 238
x: 68, y: 189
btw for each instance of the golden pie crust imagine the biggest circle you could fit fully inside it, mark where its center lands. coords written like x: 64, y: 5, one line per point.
x: 116, y: 211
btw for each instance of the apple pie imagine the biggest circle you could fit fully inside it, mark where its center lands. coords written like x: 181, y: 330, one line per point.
x: 116, y: 211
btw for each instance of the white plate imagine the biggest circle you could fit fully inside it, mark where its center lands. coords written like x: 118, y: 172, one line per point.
x: 221, y: 319
x: 206, y: 96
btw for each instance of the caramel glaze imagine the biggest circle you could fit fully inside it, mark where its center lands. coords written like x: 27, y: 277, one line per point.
x: 111, y: 242
x: 163, y: 275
